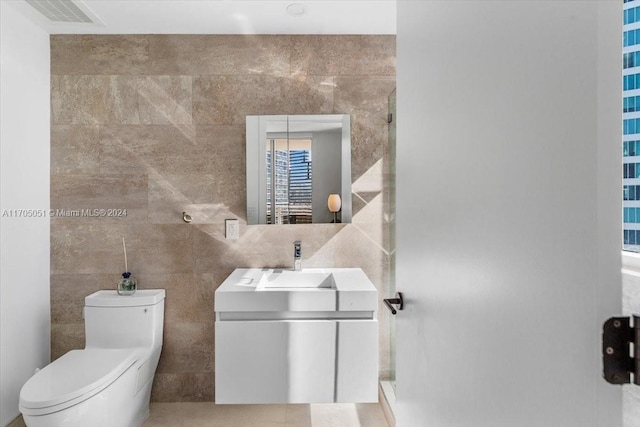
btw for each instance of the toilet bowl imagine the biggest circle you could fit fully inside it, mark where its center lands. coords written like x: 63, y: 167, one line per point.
x: 108, y: 384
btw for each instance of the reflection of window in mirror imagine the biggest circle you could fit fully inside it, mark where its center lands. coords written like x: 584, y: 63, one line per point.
x: 289, y: 181
x: 280, y: 150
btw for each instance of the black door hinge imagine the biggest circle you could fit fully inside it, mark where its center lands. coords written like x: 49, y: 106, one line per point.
x: 620, y: 352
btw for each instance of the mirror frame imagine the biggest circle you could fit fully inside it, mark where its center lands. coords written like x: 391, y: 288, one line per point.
x: 256, y: 167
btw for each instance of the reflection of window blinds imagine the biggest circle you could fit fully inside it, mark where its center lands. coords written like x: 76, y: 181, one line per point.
x: 269, y: 221
x: 289, y: 182
x: 277, y: 182
x: 300, y: 178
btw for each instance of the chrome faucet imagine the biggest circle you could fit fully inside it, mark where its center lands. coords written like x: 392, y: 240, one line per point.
x: 297, y: 255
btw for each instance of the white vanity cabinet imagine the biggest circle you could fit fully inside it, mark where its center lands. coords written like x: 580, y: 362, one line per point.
x: 296, y: 345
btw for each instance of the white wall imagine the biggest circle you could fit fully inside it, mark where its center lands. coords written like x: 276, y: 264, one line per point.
x: 630, y: 306
x: 24, y: 184
x: 508, y: 211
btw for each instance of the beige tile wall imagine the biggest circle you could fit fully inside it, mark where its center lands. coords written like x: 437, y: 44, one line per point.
x: 154, y: 124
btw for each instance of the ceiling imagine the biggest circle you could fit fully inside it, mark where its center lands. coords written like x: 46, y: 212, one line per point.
x: 227, y: 17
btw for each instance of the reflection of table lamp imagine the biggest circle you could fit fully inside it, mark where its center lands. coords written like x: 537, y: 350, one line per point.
x: 334, y: 203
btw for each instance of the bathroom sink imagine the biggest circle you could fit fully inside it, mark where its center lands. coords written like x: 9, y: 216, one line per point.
x: 278, y: 290
x: 282, y: 279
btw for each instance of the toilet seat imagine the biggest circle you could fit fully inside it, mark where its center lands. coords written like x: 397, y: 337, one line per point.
x: 73, y: 378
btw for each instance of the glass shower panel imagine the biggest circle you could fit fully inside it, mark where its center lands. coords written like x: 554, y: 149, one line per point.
x: 390, y: 190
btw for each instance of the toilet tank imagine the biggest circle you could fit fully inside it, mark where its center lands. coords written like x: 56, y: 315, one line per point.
x: 124, y: 321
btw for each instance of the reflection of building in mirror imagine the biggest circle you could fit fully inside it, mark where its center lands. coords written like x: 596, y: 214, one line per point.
x: 289, y: 181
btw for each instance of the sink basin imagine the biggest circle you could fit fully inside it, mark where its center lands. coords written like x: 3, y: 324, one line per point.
x: 297, y: 279
x: 280, y: 291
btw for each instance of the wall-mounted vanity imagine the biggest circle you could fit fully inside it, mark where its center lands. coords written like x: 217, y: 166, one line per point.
x: 294, y: 164
x: 284, y: 336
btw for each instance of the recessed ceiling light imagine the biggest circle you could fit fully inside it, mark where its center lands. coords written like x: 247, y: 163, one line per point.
x: 296, y: 9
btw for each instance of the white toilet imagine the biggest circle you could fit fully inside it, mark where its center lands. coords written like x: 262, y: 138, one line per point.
x: 108, y: 384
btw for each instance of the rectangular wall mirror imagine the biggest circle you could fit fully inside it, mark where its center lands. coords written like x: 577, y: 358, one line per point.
x: 298, y: 169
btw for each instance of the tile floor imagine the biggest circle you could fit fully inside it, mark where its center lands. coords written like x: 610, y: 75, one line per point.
x: 207, y: 414
x: 188, y: 414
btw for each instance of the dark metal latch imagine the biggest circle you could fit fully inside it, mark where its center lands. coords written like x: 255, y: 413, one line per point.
x: 390, y: 302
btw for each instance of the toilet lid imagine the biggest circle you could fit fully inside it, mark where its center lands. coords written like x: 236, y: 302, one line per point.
x: 77, y: 373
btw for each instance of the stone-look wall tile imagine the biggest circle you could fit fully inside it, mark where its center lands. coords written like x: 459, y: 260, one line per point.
x: 340, y: 55
x: 309, y: 95
x: 365, y: 96
x: 229, y: 99
x: 82, y: 248
x: 220, y: 54
x: 365, y: 99
x: 121, y: 99
x: 187, y: 347
x: 69, y: 290
x: 183, y: 387
x: 107, y: 198
x: 75, y: 149
x: 189, y: 297
x: 99, y: 54
x: 150, y: 100
x: 208, y: 198
x: 250, y: 249
x: 370, y: 185
x: 215, y: 254
x: 370, y: 217
x: 219, y: 256
x: 357, y: 203
x: 159, y: 149
x: 66, y: 337
x: 79, y: 100
x: 151, y: 149
x: 225, y: 148
x: 159, y: 248
x: 344, y: 250
x: 87, y: 248
x: 367, y: 147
